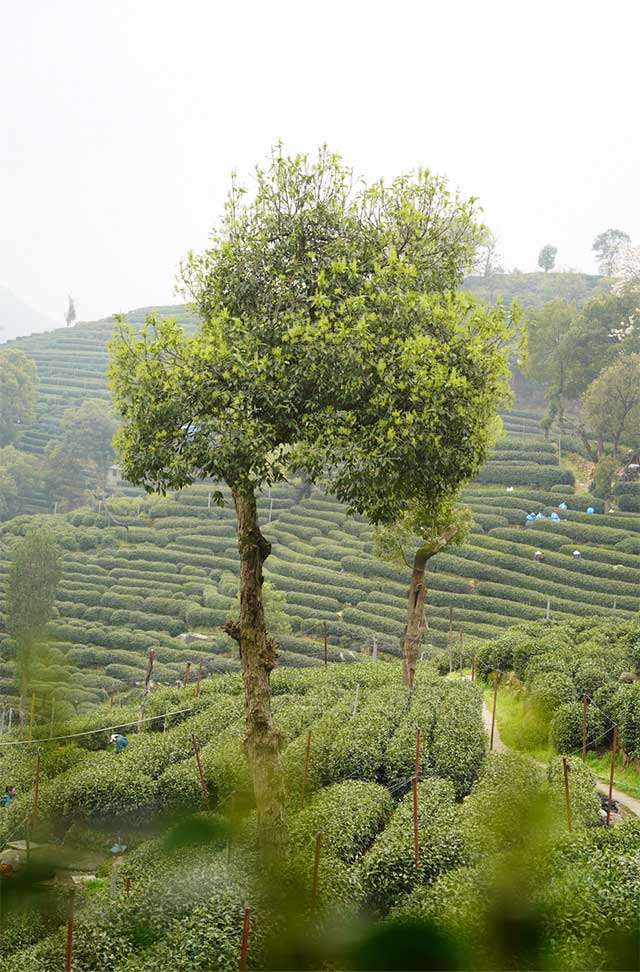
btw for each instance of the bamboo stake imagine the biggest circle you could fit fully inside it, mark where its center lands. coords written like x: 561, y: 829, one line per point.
x: 316, y: 865
x: 460, y: 652
x: 245, y: 939
x: 450, y: 639
x: 566, y: 790
x: 306, y: 769
x: 613, y: 766
x: 417, y: 773
x: 324, y: 626
x: 493, y: 714
x: 199, y: 679
x: 473, y: 668
x: 584, y: 727
x: 69, y: 950
x: 185, y: 677
x: 203, y: 785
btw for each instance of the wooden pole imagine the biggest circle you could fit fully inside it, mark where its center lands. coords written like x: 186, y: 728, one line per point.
x: 584, y: 727
x: 548, y: 612
x: 613, y: 766
x: 416, y: 836
x: 36, y: 786
x: 473, y: 668
x: 32, y: 714
x: 306, y: 769
x: 324, y: 626
x: 127, y: 886
x: 450, y: 639
x: 232, y: 807
x: 316, y: 865
x: 69, y: 951
x: 496, y: 678
x: 417, y: 773
x: 185, y: 677
x: 245, y: 939
x: 460, y: 652
x: 356, y: 699
x: 203, y: 785
x: 199, y: 679
x: 565, y: 767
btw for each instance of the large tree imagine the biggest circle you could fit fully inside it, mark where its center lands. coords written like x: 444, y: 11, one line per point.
x: 84, y: 452
x: 331, y: 342
x: 425, y: 529
x: 547, y: 257
x: 551, y: 330
x: 612, y: 401
x: 18, y: 478
x: 18, y: 393
x: 34, y: 575
x: 608, y: 247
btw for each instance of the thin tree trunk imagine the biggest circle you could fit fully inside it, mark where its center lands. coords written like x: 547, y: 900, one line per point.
x: 258, y: 657
x: 415, y: 612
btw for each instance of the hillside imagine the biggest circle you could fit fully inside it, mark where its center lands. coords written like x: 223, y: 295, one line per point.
x: 535, y: 289
x: 17, y: 319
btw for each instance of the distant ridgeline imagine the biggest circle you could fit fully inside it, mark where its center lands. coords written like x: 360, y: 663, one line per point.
x: 160, y: 573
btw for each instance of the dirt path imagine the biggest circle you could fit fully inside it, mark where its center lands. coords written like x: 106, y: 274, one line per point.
x: 622, y: 799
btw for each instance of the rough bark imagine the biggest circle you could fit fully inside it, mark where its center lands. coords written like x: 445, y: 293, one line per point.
x: 258, y: 657
x: 415, y: 612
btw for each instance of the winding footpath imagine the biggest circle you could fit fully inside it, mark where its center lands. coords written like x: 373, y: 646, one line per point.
x: 622, y: 799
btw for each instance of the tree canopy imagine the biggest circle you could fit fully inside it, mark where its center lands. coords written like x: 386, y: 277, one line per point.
x: 18, y: 477
x: 607, y: 247
x: 331, y: 343
x: 84, y: 452
x: 18, y: 393
x: 547, y: 257
x: 612, y: 401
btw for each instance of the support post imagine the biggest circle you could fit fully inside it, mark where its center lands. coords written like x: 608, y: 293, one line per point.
x: 203, y: 784
x: 615, y: 604
x: 199, y: 678
x: 496, y: 679
x: 416, y: 835
x: 450, y: 639
x: 316, y: 865
x: 565, y: 768
x: 36, y: 786
x: 306, y: 769
x: 461, y: 647
x: 584, y: 727
x: 356, y: 699
x: 114, y: 880
x: 245, y: 940
x: 417, y: 772
x: 32, y: 714
x: 10, y: 718
x: 2, y: 721
x: 613, y: 766
x: 326, y: 652
x: 473, y: 668
x: 185, y: 677
x: 548, y: 611
x: 69, y: 950
x: 127, y: 886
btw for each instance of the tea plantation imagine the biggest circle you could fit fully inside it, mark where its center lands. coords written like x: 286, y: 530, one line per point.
x: 190, y: 868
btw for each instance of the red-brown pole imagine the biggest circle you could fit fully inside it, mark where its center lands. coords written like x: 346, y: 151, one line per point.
x: 245, y: 939
x: 473, y: 668
x: 584, y: 727
x: 185, y: 677
x: 324, y: 624
x: 127, y: 886
x: 69, y: 951
x: 613, y: 766
x: 450, y: 639
x: 199, y: 679
x: 36, y: 789
x: 203, y: 784
x: 416, y: 836
x: 417, y: 774
x: 566, y: 790
x: 306, y: 769
x: 493, y: 714
x: 461, y: 647
x: 316, y: 865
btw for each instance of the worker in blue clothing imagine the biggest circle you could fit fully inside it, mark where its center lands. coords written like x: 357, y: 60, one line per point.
x: 121, y: 742
x: 8, y: 796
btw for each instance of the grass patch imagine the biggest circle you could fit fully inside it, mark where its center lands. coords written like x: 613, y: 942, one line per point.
x: 626, y: 779
x: 521, y: 725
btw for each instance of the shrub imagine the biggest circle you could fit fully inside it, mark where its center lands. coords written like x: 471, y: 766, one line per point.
x: 629, y: 504
x: 459, y: 743
x: 348, y: 814
x: 388, y: 870
x: 583, y: 798
x: 549, y: 690
x: 565, y: 731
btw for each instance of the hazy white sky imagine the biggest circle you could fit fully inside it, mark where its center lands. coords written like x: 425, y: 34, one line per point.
x: 120, y: 121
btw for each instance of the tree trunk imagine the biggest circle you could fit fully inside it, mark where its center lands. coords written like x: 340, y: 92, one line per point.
x: 415, y: 612
x: 258, y: 657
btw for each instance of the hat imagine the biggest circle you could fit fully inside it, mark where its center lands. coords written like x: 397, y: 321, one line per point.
x: 112, y: 737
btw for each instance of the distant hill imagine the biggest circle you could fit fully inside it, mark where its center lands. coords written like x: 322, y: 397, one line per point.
x: 17, y: 319
x: 534, y: 289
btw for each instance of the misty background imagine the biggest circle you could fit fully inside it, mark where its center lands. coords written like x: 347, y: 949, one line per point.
x: 121, y: 123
